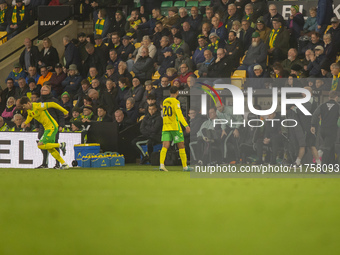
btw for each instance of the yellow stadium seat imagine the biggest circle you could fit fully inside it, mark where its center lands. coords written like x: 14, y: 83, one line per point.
x: 2, y: 34
x: 75, y: 102
x: 196, y: 73
x: 133, y: 74
x: 156, y: 76
x: 240, y: 73
x: 137, y: 45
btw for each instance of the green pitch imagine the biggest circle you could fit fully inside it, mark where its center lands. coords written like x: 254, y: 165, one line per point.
x: 138, y: 210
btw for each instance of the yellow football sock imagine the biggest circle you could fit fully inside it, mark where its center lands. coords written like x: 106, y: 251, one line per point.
x: 48, y: 146
x: 183, y: 157
x: 163, y: 155
x: 55, y: 154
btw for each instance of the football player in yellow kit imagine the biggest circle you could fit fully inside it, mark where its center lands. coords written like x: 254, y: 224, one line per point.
x: 38, y: 111
x: 172, y: 131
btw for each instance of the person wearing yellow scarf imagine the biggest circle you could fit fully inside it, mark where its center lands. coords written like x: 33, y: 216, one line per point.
x: 18, y: 18
x: 18, y: 10
x: 3, y: 16
x: 335, y: 70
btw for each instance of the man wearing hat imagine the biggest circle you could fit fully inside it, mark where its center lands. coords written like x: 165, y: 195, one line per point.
x: 32, y: 87
x: 127, y: 49
x: 278, y: 42
x: 99, y: 45
x: 256, y: 55
x: 172, y: 18
x: 4, y: 15
x: 57, y: 78
x: 218, y: 28
x: 65, y: 101
x: 169, y: 60
x: 297, y: 70
x: 183, y: 59
x: 110, y: 74
x: 16, y: 74
x: 335, y: 32
x: 71, y: 84
x: 263, y: 30
x: 88, y: 114
x: 215, y: 43
x: 179, y: 43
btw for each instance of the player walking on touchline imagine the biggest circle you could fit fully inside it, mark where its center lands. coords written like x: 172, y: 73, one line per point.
x: 38, y: 111
x: 172, y: 131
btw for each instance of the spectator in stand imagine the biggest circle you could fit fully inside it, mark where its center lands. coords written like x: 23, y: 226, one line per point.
x: 56, y: 80
x: 110, y: 74
x: 8, y: 113
x: 325, y: 70
x: 33, y: 88
x: 124, y: 85
x: 198, y: 56
x: 215, y: 43
x: 316, y: 59
x: 115, y: 43
x: 205, y: 32
x: 172, y: 18
x: 29, y: 56
x: 184, y: 17
x: 65, y: 101
x: 136, y: 92
x: 180, y: 44
x: 8, y: 92
x: 335, y: 32
x: 5, y: 15
x: 16, y: 74
x: 151, y: 130
x: 32, y: 74
x: 151, y: 48
x: 109, y: 96
x: 71, y: 53
x: 209, y: 14
x: 81, y: 46
x: 45, y: 75
x: 94, y: 59
x: 183, y: 59
x: 260, y: 8
x: 278, y: 71
x: 131, y: 110
x: 221, y: 67
x: 148, y: 97
x: 83, y: 93
x: 3, y: 125
x: 18, y: 119
x: 114, y: 60
x: 295, y: 24
x: 185, y: 73
x: 127, y: 49
x: 189, y: 36
x: 71, y: 84
x: 209, y: 59
x: 19, y: 19
x: 23, y: 88
x: 236, y: 27
x: 335, y: 71
x: 330, y: 48
x: 291, y: 60
x: 122, y: 72
x: 143, y: 67
x: 256, y: 55
x: 310, y: 24
x: 159, y: 92
x: 195, y: 19
x: 88, y: 114
x: 103, y: 24
x: 246, y: 34
x: 169, y: 61
x: 234, y: 48
x: 93, y: 74
x: 48, y: 55
x: 278, y: 42
x: 218, y: 28
x: 231, y: 17
x: 102, y: 114
x: 94, y: 96
x: 76, y: 111
x: 314, y: 41
x: 160, y: 31
x: 258, y: 74
x: 249, y: 15
x: 164, y: 42
x: 324, y: 15
x: 119, y: 22
x: 273, y: 14
x: 121, y: 120
x: 148, y: 28
x: 95, y: 84
x: 263, y: 30
x: 101, y: 47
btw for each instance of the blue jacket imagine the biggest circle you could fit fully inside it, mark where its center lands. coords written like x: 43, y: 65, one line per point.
x: 198, y: 56
x: 221, y: 32
x: 72, y: 55
x: 167, y: 63
x: 324, y: 12
x: 15, y: 78
x: 71, y: 88
x: 310, y: 24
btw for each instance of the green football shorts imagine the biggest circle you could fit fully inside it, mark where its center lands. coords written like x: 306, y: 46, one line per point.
x: 49, y: 136
x: 174, y: 135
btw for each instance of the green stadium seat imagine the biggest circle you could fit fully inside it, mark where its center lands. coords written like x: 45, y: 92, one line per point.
x: 179, y: 4
x: 164, y: 13
x: 137, y: 5
x: 167, y: 4
x: 205, y: 3
x: 192, y: 3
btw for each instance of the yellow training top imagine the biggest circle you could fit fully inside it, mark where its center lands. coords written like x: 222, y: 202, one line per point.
x: 172, y: 115
x: 40, y: 113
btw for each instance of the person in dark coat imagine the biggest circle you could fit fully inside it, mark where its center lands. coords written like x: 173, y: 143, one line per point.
x: 124, y: 85
x: 127, y: 49
x: 102, y: 114
x: 273, y: 14
x: 29, y: 56
x: 295, y: 24
x: 118, y: 24
x: 335, y: 32
x: 81, y: 46
x: 231, y: 17
x: 136, y: 92
x: 57, y: 78
x: 94, y: 58
x: 109, y: 96
x: 151, y: 129
x: 324, y: 15
x: 246, y: 34
x: 71, y: 53
x: 6, y: 93
x: 143, y: 67
x: 169, y: 61
x: 222, y: 67
x: 278, y: 42
x: 5, y: 15
x: 48, y: 55
x: 234, y: 48
x: 20, y: 18
x: 71, y: 84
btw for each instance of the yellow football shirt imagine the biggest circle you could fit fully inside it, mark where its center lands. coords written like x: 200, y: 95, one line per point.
x: 39, y: 112
x: 172, y: 115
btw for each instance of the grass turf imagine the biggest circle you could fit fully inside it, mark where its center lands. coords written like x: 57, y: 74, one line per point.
x: 138, y: 210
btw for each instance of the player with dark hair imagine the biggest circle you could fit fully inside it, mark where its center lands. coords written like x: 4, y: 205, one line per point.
x: 172, y: 131
x: 38, y: 111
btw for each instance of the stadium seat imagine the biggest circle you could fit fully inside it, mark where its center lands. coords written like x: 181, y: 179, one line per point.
x: 137, y: 5
x: 75, y: 102
x: 192, y: 3
x: 2, y: 34
x: 167, y: 4
x: 196, y: 73
x: 132, y: 74
x: 137, y: 45
x: 240, y: 73
x: 205, y: 3
x: 238, y: 78
x: 179, y: 4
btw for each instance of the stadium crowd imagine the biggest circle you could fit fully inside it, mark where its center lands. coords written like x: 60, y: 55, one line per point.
x: 121, y: 71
